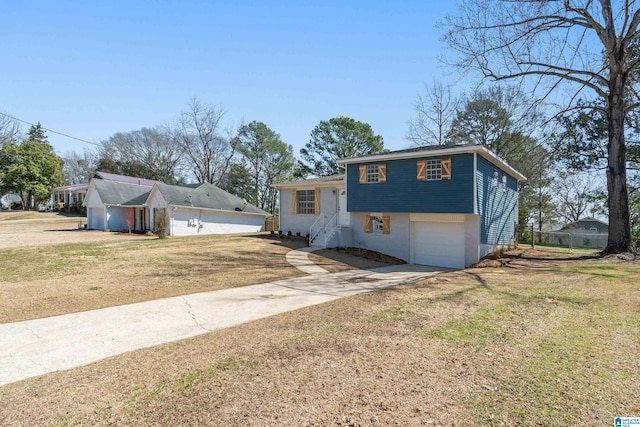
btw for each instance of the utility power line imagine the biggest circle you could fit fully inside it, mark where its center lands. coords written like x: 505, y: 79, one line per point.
x: 50, y: 130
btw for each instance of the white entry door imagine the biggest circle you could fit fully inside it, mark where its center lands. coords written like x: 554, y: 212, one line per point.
x: 343, y: 216
x: 440, y: 244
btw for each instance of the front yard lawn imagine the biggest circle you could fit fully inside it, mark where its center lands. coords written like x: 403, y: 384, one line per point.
x: 545, y: 341
x: 47, y: 280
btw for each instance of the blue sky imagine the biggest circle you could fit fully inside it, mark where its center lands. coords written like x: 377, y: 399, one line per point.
x: 90, y: 69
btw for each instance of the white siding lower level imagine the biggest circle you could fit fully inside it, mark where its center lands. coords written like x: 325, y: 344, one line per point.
x: 96, y: 218
x: 185, y: 221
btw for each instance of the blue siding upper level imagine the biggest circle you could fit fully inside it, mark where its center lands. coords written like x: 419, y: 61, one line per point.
x: 402, y: 192
x: 497, y: 204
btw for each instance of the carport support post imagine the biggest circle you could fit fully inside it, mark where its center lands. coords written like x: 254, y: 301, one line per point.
x: 533, y: 237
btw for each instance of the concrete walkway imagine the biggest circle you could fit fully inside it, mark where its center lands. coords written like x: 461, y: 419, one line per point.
x: 299, y: 258
x: 40, y: 346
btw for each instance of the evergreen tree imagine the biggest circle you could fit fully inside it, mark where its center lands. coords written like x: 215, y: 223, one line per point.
x: 335, y: 139
x: 31, y: 168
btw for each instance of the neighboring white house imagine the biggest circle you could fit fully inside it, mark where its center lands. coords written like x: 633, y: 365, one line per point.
x: 116, y: 206
x: 115, y: 202
x: 69, y: 194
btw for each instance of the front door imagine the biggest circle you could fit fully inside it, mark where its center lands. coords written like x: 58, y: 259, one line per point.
x: 343, y: 216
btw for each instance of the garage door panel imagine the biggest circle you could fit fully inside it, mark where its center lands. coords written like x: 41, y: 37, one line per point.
x: 439, y: 244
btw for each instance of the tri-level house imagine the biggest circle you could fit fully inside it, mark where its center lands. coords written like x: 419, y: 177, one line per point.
x: 444, y: 206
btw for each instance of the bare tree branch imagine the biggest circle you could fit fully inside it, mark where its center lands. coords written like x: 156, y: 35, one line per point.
x: 198, y: 133
x: 10, y: 129
x: 583, y: 42
x: 434, y: 112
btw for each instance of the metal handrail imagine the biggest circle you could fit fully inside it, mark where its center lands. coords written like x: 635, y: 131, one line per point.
x: 324, y: 226
x: 312, y: 234
x: 330, y: 228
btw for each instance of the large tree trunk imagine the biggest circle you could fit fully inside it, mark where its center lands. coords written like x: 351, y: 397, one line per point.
x: 32, y: 200
x: 24, y: 197
x: 619, y: 222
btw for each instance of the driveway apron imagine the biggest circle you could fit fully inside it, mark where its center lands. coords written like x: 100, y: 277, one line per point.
x: 40, y: 346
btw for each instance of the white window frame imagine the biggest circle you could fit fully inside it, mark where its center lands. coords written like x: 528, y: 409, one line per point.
x: 373, y: 174
x: 305, y: 202
x: 376, y: 223
x: 433, y: 169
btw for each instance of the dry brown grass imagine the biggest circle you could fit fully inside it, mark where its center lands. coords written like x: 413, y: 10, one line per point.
x: 336, y: 260
x: 39, y: 229
x: 20, y: 214
x: 48, y: 280
x: 546, y: 341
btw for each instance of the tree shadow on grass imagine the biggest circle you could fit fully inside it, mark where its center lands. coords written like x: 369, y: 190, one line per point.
x: 446, y: 289
x: 291, y: 242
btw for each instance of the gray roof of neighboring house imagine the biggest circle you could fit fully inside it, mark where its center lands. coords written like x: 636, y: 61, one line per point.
x: 121, y: 193
x: 331, y: 179
x: 206, y: 196
x: 124, y: 178
x: 591, y: 224
x: 83, y: 186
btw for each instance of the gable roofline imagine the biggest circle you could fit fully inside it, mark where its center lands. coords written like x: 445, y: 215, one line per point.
x: 90, y: 191
x: 118, y: 193
x: 433, y: 152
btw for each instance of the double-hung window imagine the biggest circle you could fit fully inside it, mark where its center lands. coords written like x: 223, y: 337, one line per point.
x: 373, y: 173
x: 376, y: 224
x: 433, y: 170
x: 306, y: 201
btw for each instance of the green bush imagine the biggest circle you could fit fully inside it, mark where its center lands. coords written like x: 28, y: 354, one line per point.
x: 77, y: 207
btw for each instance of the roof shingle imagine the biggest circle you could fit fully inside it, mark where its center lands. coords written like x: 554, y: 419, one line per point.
x: 206, y: 196
x: 121, y: 193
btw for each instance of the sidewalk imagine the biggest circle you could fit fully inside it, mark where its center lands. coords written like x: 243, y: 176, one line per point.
x: 41, y: 346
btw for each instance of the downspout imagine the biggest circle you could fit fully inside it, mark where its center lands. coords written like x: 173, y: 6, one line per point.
x: 476, y: 257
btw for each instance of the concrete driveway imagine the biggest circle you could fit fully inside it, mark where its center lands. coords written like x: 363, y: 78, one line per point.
x: 41, y: 346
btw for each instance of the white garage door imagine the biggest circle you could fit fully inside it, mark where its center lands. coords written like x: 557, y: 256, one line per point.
x: 440, y: 244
